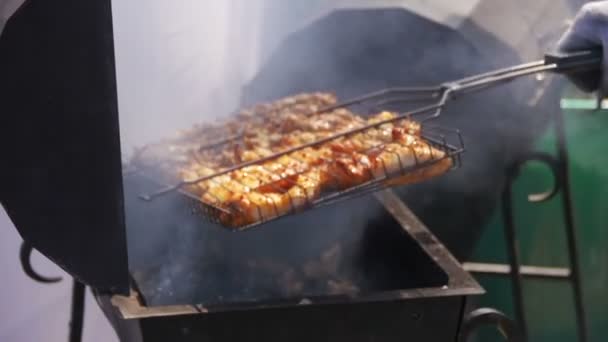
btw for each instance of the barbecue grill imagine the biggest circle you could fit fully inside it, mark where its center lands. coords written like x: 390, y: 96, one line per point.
x: 402, y: 270
x: 388, y: 262
x: 80, y: 143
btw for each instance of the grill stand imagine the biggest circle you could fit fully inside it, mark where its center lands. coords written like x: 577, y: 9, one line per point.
x: 78, y: 292
x: 514, y: 269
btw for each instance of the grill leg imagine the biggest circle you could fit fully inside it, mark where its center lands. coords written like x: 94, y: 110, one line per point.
x: 77, y: 314
x: 514, y: 262
x: 575, y: 275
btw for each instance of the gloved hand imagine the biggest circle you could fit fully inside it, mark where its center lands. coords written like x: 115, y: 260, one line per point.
x: 589, y: 30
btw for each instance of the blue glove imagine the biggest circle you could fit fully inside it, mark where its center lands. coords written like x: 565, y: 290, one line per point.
x: 589, y: 30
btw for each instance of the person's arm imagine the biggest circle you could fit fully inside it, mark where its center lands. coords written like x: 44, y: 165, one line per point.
x: 589, y: 29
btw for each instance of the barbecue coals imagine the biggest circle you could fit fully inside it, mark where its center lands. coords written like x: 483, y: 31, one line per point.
x: 350, y: 247
x: 214, y: 281
x: 280, y: 157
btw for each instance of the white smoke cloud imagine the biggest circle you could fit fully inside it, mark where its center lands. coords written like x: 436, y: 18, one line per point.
x: 179, y: 62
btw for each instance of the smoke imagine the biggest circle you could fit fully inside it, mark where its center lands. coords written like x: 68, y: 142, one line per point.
x: 353, y: 52
x: 178, y: 63
x: 182, y: 63
x: 178, y: 258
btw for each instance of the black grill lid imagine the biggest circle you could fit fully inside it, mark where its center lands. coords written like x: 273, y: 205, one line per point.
x: 60, y: 179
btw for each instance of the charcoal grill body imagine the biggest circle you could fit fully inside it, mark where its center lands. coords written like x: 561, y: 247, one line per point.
x: 421, y: 297
x: 431, y: 319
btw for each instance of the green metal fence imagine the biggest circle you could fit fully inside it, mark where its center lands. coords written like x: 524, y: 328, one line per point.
x: 549, y: 304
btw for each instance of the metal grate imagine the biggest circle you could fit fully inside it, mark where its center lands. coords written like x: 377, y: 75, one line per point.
x: 440, y: 144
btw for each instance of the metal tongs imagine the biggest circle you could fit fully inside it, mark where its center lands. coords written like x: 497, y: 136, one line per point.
x: 557, y: 62
x: 437, y: 96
